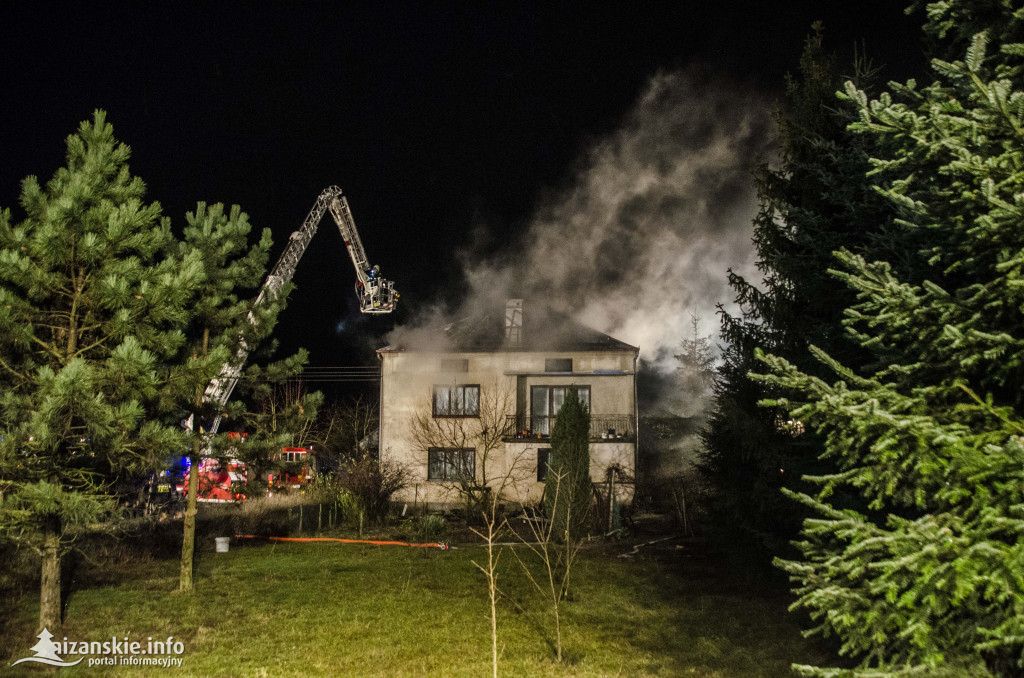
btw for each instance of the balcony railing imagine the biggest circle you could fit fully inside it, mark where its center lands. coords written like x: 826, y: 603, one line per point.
x: 606, y: 427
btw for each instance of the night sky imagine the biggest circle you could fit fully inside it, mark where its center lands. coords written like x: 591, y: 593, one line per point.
x: 443, y: 122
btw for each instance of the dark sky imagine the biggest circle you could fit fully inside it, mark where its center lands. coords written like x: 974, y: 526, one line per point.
x: 435, y: 118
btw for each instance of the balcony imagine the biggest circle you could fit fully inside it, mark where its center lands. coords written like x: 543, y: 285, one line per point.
x: 603, y: 428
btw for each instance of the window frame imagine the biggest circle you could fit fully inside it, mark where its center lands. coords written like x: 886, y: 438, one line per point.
x: 468, y: 453
x: 450, y: 387
x: 543, y: 463
x: 550, y: 400
x: 549, y: 418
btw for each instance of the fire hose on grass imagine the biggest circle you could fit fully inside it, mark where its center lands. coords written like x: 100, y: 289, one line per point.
x: 436, y: 545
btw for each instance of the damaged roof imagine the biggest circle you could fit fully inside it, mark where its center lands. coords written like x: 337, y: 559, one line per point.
x: 541, y: 331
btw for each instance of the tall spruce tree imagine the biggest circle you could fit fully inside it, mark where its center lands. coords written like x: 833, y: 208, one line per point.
x: 815, y: 201
x: 931, y: 581
x: 568, y: 491
x: 90, y: 306
x: 696, y: 370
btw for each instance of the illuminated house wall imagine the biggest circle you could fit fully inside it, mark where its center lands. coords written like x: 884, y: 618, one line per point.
x: 494, y: 373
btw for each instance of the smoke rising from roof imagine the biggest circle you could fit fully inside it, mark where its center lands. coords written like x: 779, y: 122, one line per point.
x: 647, y: 227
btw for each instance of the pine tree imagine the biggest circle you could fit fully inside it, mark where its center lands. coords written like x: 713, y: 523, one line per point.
x: 817, y: 200
x: 568, y: 490
x: 929, y: 580
x: 216, y: 327
x: 90, y: 306
x: 696, y: 370
x: 223, y: 315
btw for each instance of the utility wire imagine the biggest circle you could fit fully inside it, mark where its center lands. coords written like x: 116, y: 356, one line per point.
x: 333, y: 374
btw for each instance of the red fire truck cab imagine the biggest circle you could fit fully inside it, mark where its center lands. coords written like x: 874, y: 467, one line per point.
x: 296, y: 470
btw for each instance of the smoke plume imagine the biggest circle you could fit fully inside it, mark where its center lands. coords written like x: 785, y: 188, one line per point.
x: 648, y: 225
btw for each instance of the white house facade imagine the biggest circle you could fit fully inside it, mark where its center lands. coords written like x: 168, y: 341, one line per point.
x: 481, y: 406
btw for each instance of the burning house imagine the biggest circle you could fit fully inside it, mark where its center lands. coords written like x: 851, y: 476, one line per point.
x: 474, y: 407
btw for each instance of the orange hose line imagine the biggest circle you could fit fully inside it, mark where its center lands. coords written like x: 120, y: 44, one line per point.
x: 439, y: 545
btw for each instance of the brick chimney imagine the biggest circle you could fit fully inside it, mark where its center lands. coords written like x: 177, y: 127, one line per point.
x: 514, y: 323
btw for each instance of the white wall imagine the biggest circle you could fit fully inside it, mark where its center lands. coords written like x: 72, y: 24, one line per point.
x: 407, y: 380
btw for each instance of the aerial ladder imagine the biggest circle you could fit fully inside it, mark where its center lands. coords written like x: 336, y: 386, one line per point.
x: 376, y: 295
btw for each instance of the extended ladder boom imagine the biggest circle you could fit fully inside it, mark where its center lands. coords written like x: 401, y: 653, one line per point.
x: 285, y: 267
x: 347, y: 227
x: 376, y: 295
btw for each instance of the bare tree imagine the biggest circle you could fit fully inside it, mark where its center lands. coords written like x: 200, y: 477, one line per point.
x: 494, y: 526
x: 483, y: 434
x: 484, y: 492
x: 555, y: 554
x: 345, y: 431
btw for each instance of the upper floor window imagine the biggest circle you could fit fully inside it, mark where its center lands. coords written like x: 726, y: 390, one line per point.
x: 459, y: 400
x: 558, y: 365
x: 546, y: 401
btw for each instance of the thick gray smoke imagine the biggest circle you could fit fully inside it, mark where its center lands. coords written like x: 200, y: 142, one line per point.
x: 648, y: 226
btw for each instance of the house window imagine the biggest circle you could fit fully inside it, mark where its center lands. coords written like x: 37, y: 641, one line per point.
x: 546, y: 401
x: 558, y: 365
x: 543, y: 458
x: 451, y: 464
x: 457, y: 401
x: 455, y: 365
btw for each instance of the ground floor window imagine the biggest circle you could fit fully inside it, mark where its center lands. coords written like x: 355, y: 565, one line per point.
x: 451, y: 464
x: 543, y: 458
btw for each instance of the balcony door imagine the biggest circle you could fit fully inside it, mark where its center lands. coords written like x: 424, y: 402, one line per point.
x: 546, y: 401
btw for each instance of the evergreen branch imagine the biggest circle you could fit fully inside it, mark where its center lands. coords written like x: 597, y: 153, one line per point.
x: 988, y: 408
x: 84, y: 350
x: 5, y: 365
x: 48, y: 348
x: 999, y: 104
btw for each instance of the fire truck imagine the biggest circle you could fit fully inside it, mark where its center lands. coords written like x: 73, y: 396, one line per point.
x: 219, y: 482
x: 376, y: 295
x: 296, y: 470
x: 227, y: 482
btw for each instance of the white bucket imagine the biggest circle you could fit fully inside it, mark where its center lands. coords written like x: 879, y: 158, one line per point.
x: 222, y: 544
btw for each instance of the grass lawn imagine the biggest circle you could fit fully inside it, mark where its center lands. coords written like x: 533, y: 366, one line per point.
x: 321, y: 609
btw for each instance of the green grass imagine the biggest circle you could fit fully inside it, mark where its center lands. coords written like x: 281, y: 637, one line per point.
x: 298, y: 609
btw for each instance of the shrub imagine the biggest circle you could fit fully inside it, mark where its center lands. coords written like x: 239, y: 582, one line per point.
x: 568, y: 489
x: 262, y: 517
x: 431, y: 527
x: 373, y: 481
